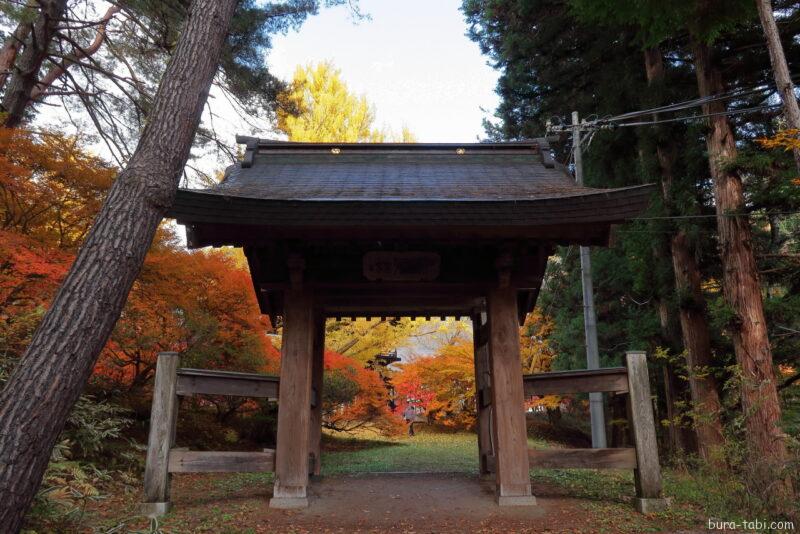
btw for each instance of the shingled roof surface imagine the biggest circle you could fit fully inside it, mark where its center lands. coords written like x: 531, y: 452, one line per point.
x: 512, y: 171
x: 494, y: 183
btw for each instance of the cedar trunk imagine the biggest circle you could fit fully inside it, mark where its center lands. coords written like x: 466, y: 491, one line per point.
x: 50, y: 377
x: 26, y: 71
x: 741, y: 283
x: 691, y: 302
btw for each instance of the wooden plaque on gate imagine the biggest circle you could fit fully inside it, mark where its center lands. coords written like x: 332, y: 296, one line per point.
x: 401, y: 266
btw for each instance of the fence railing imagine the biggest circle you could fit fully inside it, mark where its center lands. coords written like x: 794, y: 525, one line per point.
x: 171, y: 382
x: 642, y: 457
x: 163, y: 458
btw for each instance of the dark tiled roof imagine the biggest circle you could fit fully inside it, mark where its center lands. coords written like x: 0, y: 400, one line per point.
x: 485, y: 183
x: 497, y: 172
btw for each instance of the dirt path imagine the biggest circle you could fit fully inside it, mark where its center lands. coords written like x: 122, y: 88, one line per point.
x: 390, y: 502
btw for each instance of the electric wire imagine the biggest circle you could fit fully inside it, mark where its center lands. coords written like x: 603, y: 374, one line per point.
x: 688, y: 104
x: 619, y: 120
x: 729, y: 113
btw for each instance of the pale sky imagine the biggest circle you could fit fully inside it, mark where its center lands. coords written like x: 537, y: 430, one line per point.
x: 412, y: 60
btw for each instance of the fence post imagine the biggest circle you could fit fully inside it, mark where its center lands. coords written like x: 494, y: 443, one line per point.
x: 647, y: 474
x: 163, y: 416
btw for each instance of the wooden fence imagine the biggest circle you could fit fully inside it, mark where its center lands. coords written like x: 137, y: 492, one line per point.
x: 642, y: 457
x: 163, y: 458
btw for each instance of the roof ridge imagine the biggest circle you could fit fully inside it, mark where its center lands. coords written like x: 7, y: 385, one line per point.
x: 254, y: 144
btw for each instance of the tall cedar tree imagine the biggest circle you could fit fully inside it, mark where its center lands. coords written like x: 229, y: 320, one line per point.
x: 550, y: 65
x: 703, y: 21
x: 49, y: 379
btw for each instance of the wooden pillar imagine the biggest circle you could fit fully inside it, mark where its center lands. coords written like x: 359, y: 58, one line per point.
x: 647, y: 474
x: 294, y: 401
x: 317, y: 375
x: 513, y: 486
x: 483, y: 394
x: 163, y: 416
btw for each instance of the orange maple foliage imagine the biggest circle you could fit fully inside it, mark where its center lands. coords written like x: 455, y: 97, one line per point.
x: 50, y: 188
x: 29, y: 275
x: 443, y: 385
x: 196, y: 303
x: 355, y: 397
x: 537, y: 355
x: 199, y: 303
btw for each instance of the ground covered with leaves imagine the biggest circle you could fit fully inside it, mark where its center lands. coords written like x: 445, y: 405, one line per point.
x: 425, y: 483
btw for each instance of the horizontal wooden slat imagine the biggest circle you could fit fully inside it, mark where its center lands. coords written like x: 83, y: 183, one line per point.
x: 183, y: 461
x: 208, y: 382
x: 583, y: 458
x: 586, y: 381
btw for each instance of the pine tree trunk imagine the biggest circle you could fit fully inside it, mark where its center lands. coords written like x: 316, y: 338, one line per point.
x: 26, y: 71
x: 691, y: 302
x: 741, y: 282
x: 780, y: 68
x: 50, y: 377
x: 12, y: 44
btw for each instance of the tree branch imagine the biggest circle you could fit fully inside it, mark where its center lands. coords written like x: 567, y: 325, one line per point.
x: 58, y: 70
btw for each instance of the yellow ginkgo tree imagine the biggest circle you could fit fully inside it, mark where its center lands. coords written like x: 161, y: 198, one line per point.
x: 317, y: 106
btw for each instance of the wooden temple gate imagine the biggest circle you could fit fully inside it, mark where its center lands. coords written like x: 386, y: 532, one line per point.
x: 392, y: 230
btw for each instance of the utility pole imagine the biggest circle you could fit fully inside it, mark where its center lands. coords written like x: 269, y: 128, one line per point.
x: 589, y: 316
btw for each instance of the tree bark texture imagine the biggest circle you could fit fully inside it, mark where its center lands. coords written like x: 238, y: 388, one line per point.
x: 691, y: 302
x: 780, y: 68
x: 26, y: 71
x: 741, y: 284
x: 11, y: 46
x: 54, y: 370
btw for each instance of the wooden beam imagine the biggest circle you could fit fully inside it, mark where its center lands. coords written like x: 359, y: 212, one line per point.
x: 513, y: 485
x: 640, y: 409
x: 624, y: 458
x: 317, y: 379
x: 585, y: 381
x: 485, y: 396
x: 183, y: 461
x: 257, y: 235
x: 490, y: 461
x: 482, y: 392
x: 294, y: 413
x: 163, y: 416
x: 212, y: 382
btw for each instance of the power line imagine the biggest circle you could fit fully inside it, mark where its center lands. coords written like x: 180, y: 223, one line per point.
x: 742, y: 111
x: 603, y: 125
x: 687, y: 104
x: 617, y: 120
